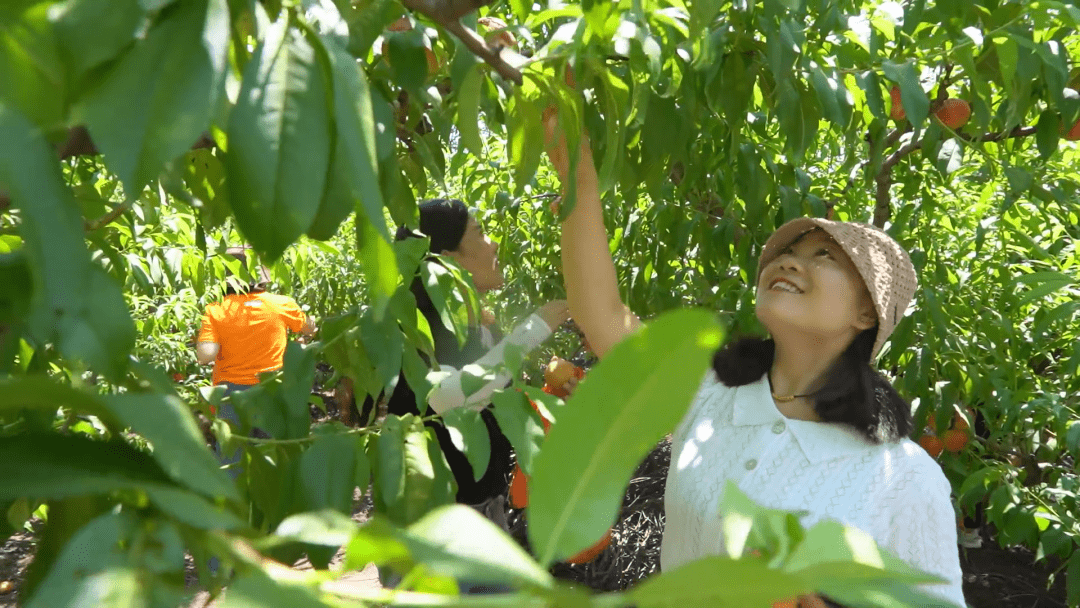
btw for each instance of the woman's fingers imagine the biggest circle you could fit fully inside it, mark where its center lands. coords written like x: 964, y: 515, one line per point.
x: 570, y: 386
x: 555, y: 142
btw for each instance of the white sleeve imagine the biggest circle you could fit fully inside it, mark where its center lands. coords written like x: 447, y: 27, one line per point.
x: 922, y: 528
x: 448, y: 392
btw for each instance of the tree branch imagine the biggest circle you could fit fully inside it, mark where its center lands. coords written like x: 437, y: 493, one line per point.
x: 1015, y: 132
x: 445, y: 11
x: 78, y: 143
x: 447, y: 14
x: 492, y: 55
x: 883, y: 201
x: 91, y: 225
x: 883, y: 206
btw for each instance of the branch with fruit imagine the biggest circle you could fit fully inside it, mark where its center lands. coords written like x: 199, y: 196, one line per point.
x: 560, y: 376
x: 79, y: 143
x: 448, y: 14
x: 953, y: 114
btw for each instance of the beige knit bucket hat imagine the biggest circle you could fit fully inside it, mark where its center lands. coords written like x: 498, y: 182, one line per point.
x: 882, y: 263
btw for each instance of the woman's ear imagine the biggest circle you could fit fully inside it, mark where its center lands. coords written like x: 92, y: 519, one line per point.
x: 867, y: 317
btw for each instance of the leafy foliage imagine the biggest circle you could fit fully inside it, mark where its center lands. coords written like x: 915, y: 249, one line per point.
x: 185, y: 126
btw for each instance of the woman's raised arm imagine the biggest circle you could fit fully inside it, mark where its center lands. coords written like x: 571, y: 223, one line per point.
x: 592, y: 286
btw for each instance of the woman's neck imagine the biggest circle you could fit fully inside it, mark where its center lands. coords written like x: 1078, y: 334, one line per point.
x: 799, y: 368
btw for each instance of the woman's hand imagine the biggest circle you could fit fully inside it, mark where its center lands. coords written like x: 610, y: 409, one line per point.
x: 555, y: 143
x: 554, y: 313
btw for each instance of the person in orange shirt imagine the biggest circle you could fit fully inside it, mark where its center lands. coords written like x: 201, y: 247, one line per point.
x: 245, y: 335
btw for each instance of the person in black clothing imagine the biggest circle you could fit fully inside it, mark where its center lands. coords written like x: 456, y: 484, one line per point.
x: 454, y: 233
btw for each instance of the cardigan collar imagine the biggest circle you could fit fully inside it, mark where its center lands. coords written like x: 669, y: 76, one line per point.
x: 819, y: 441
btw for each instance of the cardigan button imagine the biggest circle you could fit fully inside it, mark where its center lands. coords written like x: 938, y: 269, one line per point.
x: 751, y: 464
x: 779, y: 427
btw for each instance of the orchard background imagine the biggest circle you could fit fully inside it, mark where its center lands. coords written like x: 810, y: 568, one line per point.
x: 139, y: 139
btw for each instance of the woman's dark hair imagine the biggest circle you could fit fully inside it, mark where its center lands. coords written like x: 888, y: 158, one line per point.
x: 234, y: 285
x: 444, y: 221
x: 854, y: 392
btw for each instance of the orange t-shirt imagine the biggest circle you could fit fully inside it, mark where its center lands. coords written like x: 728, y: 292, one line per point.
x: 251, y: 330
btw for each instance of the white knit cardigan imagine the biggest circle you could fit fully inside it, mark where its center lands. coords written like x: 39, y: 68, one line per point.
x: 893, y: 491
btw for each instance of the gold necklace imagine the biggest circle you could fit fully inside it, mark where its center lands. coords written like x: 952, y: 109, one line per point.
x: 788, y: 398
x: 783, y: 399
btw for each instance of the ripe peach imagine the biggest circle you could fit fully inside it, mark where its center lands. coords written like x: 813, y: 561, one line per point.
x: 558, y: 372
x: 896, y: 110
x: 955, y: 440
x: 932, y: 444
x: 954, y: 113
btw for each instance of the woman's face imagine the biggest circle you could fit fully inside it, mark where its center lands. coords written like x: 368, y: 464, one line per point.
x: 477, y: 254
x: 812, y: 288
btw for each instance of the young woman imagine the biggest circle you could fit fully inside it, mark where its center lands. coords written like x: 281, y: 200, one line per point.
x: 800, y: 421
x: 455, y: 234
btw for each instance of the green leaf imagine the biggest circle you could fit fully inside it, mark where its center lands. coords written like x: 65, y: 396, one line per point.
x: 384, y: 344
x: 1019, y: 179
x: 832, y: 97
x: 376, y: 542
x: 47, y: 466
x: 93, y: 569
x: 256, y: 590
x: 178, y: 445
x: 411, y: 475
x: 415, y: 370
x: 163, y: 117
x: 337, y: 201
x: 327, y: 527
x: 327, y: 473
x: 379, y: 262
x: 458, y: 541
x: 63, y: 520
x: 193, y: 510
x: 747, y: 525
x: 1041, y: 291
x: 279, y: 405
x: 711, y: 582
x: 40, y: 392
x: 610, y: 424
x: 470, y: 435
x: 354, y: 118
x: 833, y: 555
x: 420, y: 475
x: 736, y: 86
x: 1072, y: 579
x: 950, y: 156
x: 525, y: 139
x: 31, y: 67
x: 469, y: 111
x: 912, y: 97
x: 521, y: 425
x: 362, y: 473
x: 407, y: 59
x: 702, y: 15
x: 441, y: 288
x: 279, y: 141
x: 94, y: 31
x: 367, y: 21
x: 388, y: 462
x: 1047, y: 133
x: 1008, y: 56
x: 1073, y: 439
x: 75, y: 303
